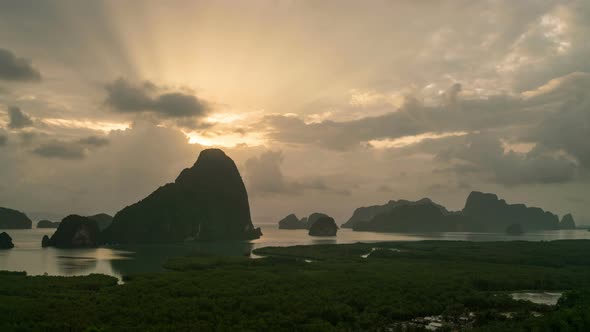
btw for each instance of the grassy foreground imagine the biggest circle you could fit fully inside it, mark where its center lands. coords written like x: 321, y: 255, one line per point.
x: 318, y: 288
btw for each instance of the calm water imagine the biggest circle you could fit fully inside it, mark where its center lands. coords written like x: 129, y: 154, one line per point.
x: 121, y: 260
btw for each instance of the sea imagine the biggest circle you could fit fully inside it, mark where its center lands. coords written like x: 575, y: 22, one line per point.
x: 29, y: 256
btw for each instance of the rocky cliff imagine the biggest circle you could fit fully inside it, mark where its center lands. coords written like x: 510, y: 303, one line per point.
x: 206, y: 202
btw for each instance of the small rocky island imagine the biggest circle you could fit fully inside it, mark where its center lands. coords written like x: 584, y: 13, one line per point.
x: 74, y: 232
x: 13, y: 219
x: 206, y: 202
x: 292, y: 222
x: 323, y: 226
x: 5, y: 241
x: 567, y: 222
x: 47, y: 224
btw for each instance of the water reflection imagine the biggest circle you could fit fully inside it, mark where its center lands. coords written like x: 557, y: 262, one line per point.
x: 72, y: 265
x: 124, y: 260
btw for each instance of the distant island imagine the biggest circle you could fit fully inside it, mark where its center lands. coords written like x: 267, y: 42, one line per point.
x: 47, y: 224
x: 206, y: 202
x: 292, y: 222
x: 13, y: 219
x: 483, y: 212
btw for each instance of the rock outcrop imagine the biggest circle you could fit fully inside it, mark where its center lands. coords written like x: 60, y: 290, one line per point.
x: 74, y: 232
x: 419, y: 216
x: 323, y: 226
x: 102, y: 219
x: 47, y: 224
x: 5, y: 241
x: 567, y: 222
x: 206, y: 202
x: 292, y: 222
x: 13, y: 219
x: 491, y: 214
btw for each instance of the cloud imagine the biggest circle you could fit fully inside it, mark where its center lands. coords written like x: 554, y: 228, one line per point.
x: 412, y: 119
x: 483, y: 153
x: 60, y: 150
x: 125, y: 97
x: 13, y: 68
x: 18, y: 119
x: 265, y: 177
x: 3, y: 140
x: 69, y: 150
x: 568, y: 127
x: 94, y: 141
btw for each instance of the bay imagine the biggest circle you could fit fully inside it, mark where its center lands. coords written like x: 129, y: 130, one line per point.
x: 29, y: 256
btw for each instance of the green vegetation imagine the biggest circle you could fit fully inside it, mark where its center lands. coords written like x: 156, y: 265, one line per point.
x: 337, y: 291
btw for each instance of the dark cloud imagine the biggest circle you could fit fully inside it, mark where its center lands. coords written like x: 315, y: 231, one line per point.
x: 3, y: 140
x: 384, y: 189
x: 18, y: 119
x: 485, y: 154
x: 568, y: 127
x: 265, y: 177
x: 411, y: 119
x: 13, y: 68
x: 94, y: 141
x: 125, y: 97
x: 70, y: 150
x: 61, y: 150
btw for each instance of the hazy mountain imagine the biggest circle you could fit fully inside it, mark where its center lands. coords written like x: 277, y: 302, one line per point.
x: 492, y: 214
x: 367, y: 213
x: 47, y: 224
x: 483, y: 212
x: 419, y: 216
x: 13, y: 219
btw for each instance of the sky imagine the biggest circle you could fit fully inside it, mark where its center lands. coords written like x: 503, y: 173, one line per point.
x: 324, y: 105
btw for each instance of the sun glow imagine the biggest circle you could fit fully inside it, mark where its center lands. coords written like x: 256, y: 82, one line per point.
x: 409, y: 140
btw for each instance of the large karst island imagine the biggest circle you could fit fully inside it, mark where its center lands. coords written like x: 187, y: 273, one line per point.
x: 483, y: 212
x: 206, y: 202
